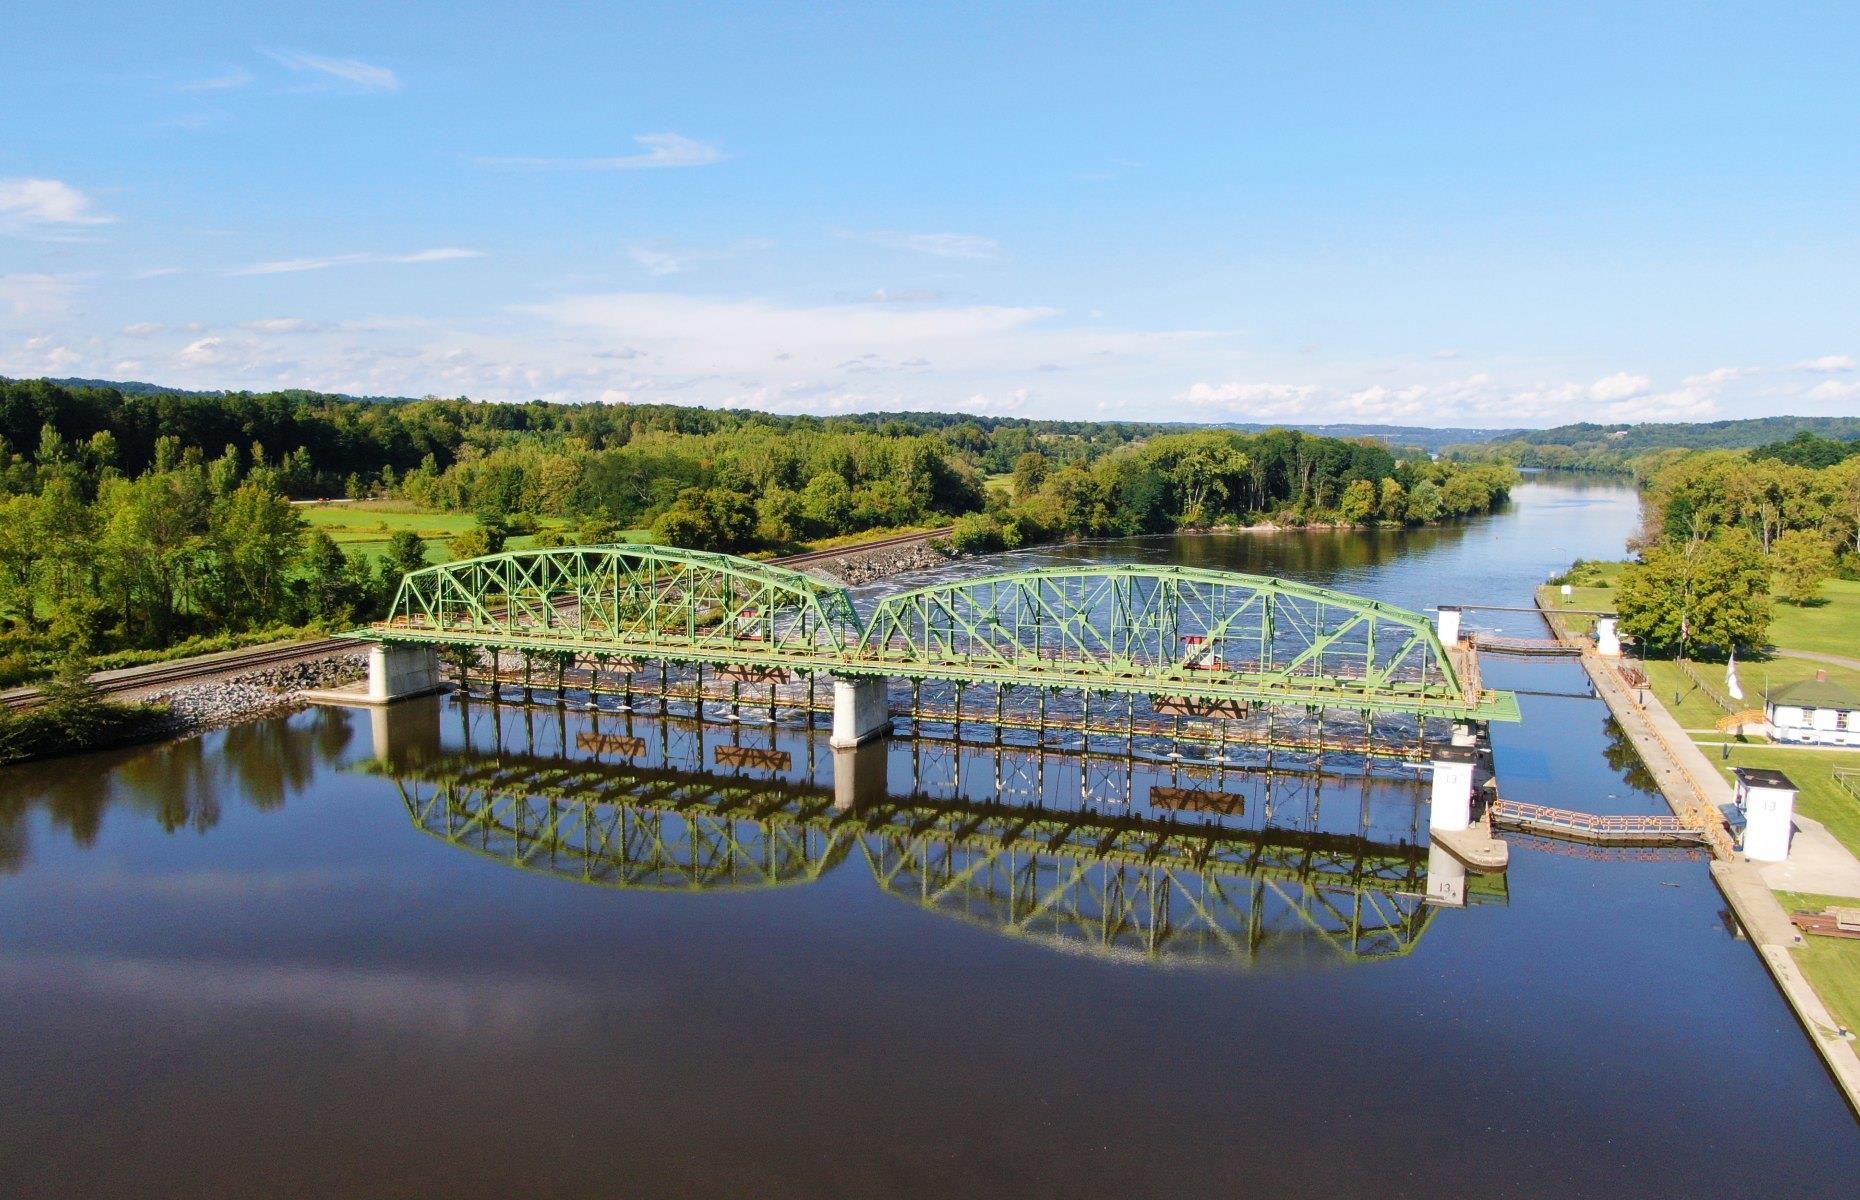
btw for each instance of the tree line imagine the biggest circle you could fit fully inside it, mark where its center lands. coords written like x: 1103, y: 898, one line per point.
x: 1213, y: 478
x: 141, y: 522
x: 1725, y: 532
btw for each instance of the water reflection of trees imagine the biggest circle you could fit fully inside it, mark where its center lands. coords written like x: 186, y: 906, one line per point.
x: 184, y: 784
x: 1623, y: 757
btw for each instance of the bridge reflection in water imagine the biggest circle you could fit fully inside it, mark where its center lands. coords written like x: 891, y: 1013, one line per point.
x: 1107, y: 856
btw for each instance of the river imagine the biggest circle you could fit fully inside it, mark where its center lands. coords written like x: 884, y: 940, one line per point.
x: 260, y: 963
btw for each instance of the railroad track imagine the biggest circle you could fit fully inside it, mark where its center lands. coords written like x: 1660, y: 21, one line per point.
x: 193, y: 670
x: 185, y: 671
x: 903, y: 539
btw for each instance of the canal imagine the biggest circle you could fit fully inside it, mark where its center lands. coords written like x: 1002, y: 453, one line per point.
x: 292, y: 959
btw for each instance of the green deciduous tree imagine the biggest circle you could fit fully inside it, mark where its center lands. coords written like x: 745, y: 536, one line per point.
x: 405, y: 552
x: 1801, y: 560
x: 1359, y: 502
x: 1699, y: 593
x: 1030, y: 471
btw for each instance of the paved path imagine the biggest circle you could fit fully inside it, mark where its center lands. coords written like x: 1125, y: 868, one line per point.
x: 1833, y: 660
x: 1685, y: 777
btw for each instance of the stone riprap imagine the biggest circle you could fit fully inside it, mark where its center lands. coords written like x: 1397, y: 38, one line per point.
x: 220, y: 702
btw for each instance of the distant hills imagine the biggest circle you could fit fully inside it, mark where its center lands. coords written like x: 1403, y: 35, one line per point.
x: 1428, y: 437
x: 1566, y: 444
x: 1690, y: 435
x: 131, y: 387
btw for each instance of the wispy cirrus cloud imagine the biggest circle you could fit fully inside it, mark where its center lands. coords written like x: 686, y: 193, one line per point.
x: 353, y: 72
x: 287, y: 266
x: 225, y: 81
x: 970, y: 246
x: 657, y: 150
x: 45, y: 202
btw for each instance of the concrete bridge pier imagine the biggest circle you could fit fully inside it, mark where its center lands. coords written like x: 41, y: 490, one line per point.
x: 397, y: 671
x: 861, y: 710
x: 1450, y: 806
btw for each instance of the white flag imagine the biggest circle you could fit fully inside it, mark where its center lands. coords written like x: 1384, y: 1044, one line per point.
x: 1730, y: 678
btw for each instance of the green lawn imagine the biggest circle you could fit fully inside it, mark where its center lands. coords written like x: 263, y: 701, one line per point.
x: 1694, y: 709
x: 364, y: 526
x: 1831, y: 964
x: 1830, y: 628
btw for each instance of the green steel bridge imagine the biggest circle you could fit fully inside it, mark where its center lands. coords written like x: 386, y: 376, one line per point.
x: 1128, y: 886
x: 1222, y: 641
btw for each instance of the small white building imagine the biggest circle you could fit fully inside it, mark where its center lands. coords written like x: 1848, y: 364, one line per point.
x: 1818, y: 711
x: 1765, y: 808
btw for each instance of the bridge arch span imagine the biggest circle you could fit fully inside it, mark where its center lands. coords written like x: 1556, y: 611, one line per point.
x: 1197, y: 631
x: 625, y: 598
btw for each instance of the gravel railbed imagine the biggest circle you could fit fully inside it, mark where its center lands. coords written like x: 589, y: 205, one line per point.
x: 858, y: 568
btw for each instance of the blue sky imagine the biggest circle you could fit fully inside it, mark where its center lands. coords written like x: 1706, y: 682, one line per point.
x: 1487, y: 215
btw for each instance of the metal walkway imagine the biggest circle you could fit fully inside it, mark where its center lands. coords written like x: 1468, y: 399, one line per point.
x: 1623, y: 829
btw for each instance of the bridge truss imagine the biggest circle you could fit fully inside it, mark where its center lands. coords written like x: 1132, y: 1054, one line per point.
x: 1183, y: 636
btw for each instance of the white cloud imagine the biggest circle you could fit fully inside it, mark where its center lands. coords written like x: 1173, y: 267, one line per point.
x: 36, y: 295
x: 289, y: 265
x: 744, y: 334
x: 1716, y: 378
x: 903, y: 296
x: 1833, y: 390
x: 1829, y: 362
x: 365, y: 77
x: 969, y: 246
x: 282, y: 325
x: 143, y: 329
x: 657, y: 262
x: 204, y: 352
x: 1619, y: 386
x: 33, y: 202
x: 657, y: 150
x: 225, y: 81
x: 1251, y: 401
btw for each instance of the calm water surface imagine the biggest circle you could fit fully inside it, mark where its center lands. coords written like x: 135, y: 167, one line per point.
x: 271, y: 962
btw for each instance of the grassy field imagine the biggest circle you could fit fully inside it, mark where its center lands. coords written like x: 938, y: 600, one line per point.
x: 364, y: 526
x: 1831, y: 964
x: 1595, y: 592
x: 1832, y: 627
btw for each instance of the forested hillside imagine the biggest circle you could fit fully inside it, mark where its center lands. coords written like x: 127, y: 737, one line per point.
x: 1590, y: 447
x: 134, y: 522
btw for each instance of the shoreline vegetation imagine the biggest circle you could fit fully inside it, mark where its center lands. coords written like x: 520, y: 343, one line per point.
x: 130, y: 523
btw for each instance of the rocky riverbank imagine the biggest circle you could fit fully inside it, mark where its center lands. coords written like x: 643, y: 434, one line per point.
x: 270, y: 692
x: 858, y: 567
